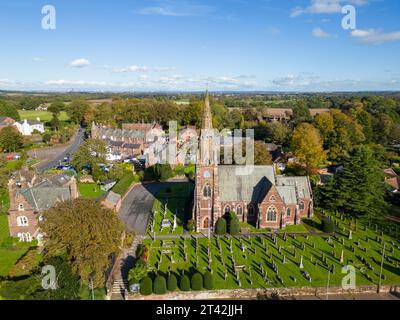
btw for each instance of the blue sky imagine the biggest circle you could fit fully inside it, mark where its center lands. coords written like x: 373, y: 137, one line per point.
x: 148, y: 45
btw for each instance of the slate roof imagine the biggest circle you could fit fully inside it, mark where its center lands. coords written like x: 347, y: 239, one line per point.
x: 253, y: 186
x: 120, y: 133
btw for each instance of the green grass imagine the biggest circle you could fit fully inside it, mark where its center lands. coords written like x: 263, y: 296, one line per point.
x: 4, y: 232
x: 8, y: 258
x: 256, y: 254
x: 123, y: 185
x: 43, y: 115
x: 90, y: 190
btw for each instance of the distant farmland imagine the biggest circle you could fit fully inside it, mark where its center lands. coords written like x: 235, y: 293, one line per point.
x: 43, y: 115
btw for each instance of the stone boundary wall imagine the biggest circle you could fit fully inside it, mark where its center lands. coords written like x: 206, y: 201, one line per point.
x: 251, y: 294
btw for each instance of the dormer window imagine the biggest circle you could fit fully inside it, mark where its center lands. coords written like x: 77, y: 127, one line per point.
x: 21, y: 207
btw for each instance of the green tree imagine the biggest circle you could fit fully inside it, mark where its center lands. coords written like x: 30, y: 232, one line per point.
x: 220, y: 226
x: 160, y: 285
x: 209, y: 282
x: 137, y: 273
x: 184, y: 283
x: 234, y: 225
x: 8, y: 109
x: 10, y: 139
x: 146, y: 286
x: 87, y: 233
x: 301, y: 113
x: 77, y: 111
x: 197, y: 281
x: 172, y: 283
x: 91, y: 152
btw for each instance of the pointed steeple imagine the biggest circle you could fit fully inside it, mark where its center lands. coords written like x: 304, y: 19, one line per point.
x: 207, y: 117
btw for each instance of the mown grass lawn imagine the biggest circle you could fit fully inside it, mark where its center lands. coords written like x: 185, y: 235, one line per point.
x: 363, y: 252
x: 8, y: 258
x: 90, y: 190
x: 43, y: 115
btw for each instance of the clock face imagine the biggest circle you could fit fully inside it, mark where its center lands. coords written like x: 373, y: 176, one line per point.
x: 207, y: 174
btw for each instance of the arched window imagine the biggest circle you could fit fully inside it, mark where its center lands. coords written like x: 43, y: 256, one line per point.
x: 207, y: 191
x: 239, y: 210
x: 227, y: 209
x: 22, y: 221
x: 24, y: 237
x: 271, y: 214
x: 301, y: 206
x: 252, y: 212
x: 288, y: 212
x: 206, y: 223
x: 272, y: 198
x: 21, y: 207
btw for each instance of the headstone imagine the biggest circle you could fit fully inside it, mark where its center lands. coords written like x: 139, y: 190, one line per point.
x: 351, y: 235
x: 301, y: 263
x: 342, y: 257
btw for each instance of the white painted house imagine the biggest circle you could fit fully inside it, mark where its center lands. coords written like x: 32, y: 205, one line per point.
x: 26, y: 127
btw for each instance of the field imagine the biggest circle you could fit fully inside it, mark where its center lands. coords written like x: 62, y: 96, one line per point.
x: 43, y: 115
x: 267, y: 260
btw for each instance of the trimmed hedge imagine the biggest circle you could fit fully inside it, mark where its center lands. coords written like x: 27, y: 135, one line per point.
x: 146, y: 286
x: 327, y: 225
x: 172, y: 282
x: 209, y: 283
x: 234, y: 226
x: 185, y: 283
x: 220, y: 226
x: 160, y: 285
x: 197, y: 282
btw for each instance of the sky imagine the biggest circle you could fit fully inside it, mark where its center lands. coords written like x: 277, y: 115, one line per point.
x: 185, y: 45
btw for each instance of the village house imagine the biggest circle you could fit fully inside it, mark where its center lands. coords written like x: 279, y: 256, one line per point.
x: 27, y: 127
x: 30, y: 196
x: 6, y: 122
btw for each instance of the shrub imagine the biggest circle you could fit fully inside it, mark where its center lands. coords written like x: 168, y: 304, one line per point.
x: 146, y: 286
x: 190, y: 225
x: 137, y: 273
x: 160, y: 285
x: 327, y: 225
x: 220, y: 226
x: 172, y: 282
x: 234, y: 226
x: 208, y: 281
x: 197, y: 282
x: 185, y: 283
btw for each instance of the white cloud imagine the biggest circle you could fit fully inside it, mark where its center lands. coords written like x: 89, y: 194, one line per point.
x: 136, y: 68
x: 6, y: 82
x: 176, y: 9
x: 325, y: 7
x: 37, y: 59
x: 319, y: 33
x: 375, y: 37
x: 79, y: 63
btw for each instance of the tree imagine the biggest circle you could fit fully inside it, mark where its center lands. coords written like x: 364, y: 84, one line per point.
x: 137, y: 273
x: 8, y: 109
x: 87, y: 233
x: 91, y: 152
x: 209, y: 283
x: 197, y: 281
x: 160, y: 172
x: 10, y: 139
x: 301, y: 113
x: 234, y: 225
x: 220, y: 226
x: 172, y: 283
x: 184, y: 283
x: 77, y: 111
x: 160, y: 285
x: 146, y: 286
x: 277, y: 132
x: 307, y: 146
x: 327, y: 225
x: 359, y: 190
x: 190, y: 225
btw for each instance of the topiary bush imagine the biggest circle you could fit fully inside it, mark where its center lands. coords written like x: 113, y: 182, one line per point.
x: 209, y: 281
x: 160, y: 285
x: 234, y: 226
x: 197, y: 282
x: 185, y: 283
x: 327, y: 225
x: 172, y: 282
x: 220, y: 226
x: 146, y: 286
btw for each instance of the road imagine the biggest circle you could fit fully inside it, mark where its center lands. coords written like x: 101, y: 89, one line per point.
x: 46, y: 165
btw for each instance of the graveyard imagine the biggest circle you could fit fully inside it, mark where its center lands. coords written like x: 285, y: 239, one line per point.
x: 282, y: 259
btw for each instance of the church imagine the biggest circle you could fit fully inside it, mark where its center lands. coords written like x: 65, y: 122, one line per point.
x: 261, y: 198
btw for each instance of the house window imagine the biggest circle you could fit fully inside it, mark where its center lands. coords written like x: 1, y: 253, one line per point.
x: 271, y: 214
x: 22, y: 221
x: 251, y: 210
x: 206, y: 223
x: 207, y: 191
x: 21, y: 207
x: 301, y: 206
x: 24, y: 237
x: 288, y: 212
x: 239, y: 210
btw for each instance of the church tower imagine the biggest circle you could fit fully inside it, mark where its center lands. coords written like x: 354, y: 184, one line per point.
x: 206, y: 204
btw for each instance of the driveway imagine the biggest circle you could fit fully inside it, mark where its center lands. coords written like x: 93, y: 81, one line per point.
x: 136, y: 208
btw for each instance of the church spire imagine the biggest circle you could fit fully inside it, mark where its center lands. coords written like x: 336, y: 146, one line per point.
x: 207, y: 117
